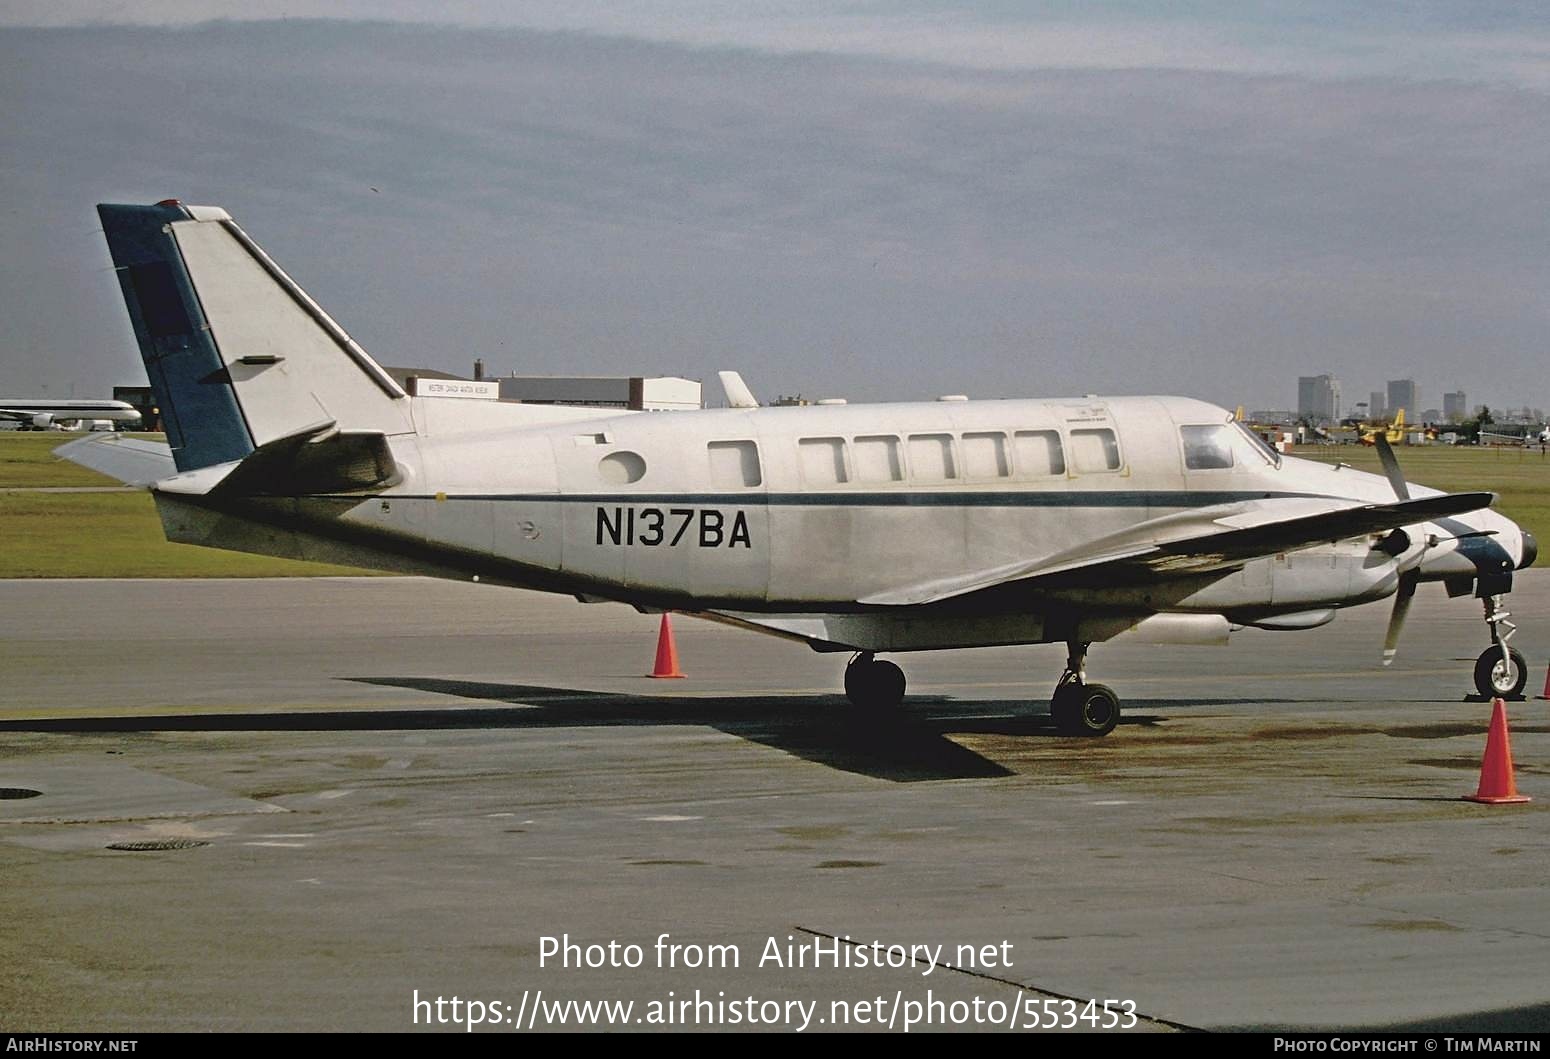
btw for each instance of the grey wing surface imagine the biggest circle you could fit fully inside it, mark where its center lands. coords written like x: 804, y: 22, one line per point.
x: 1203, y: 541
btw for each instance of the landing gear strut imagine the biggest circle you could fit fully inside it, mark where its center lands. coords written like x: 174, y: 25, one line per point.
x: 1080, y: 708
x: 1500, y: 671
x: 873, y: 685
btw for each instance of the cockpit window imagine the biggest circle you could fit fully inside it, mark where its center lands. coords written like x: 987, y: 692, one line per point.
x: 1257, y: 443
x: 1207, y: 448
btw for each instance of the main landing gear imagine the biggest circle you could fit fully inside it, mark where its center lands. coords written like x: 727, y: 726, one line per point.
x: 1080, y: 708
x: 1500, y: 671
x: 1077, y: 707
x: 873, y: 685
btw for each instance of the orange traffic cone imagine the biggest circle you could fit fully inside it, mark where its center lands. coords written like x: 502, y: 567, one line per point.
x: 667, y: 652
x: 1496, y: 783
x: 1546, y: 694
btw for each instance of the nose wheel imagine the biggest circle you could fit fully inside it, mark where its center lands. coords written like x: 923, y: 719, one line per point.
x: 1500, y: 671
x: 1080, y: 708
x: 1499, y: 677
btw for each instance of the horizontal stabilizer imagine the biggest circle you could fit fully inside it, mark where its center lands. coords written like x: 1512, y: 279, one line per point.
x: 319, y: 459
x: 133, y: 461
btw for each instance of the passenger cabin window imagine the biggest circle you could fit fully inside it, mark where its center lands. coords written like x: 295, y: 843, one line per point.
x: 985, y: 456
x: 1038, y: 453
x: 1094, y: 450
x: 931, y: 457
x: 823, y: 461
x: 878, y: 459
x: 1207, y: 448
x: 621, y: 468
x: 734, y: 464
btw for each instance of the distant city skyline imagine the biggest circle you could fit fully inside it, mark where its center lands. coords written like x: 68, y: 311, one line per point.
x: 1318, y: 397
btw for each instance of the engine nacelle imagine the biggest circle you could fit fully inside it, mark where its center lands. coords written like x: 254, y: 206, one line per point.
x: 1303, y: 619
x: 42, y: 421
x: 1194, y: 630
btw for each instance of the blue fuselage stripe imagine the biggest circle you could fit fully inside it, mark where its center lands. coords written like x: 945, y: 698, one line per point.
x: 944, y: 498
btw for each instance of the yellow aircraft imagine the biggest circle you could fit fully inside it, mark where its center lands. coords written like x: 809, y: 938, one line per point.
x: 1394, y: 434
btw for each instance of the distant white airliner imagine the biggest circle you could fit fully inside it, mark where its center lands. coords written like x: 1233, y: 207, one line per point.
x: 859, y: 528
x: 41, y: 413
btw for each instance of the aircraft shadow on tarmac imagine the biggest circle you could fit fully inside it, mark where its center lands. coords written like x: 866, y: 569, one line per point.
x: 1528, y: 1018
x: 909, y: 744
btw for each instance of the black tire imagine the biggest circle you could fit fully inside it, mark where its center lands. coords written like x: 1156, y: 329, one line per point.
x: 874, y: 685
x: 1492, y: 682
x: 1085, y: 709
x: 856, y: 680
x: 1063, y: 706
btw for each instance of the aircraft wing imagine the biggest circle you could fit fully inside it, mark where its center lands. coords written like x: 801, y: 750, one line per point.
x: 133, y: 461
x: 17, y: 414
x: 1217, y: 538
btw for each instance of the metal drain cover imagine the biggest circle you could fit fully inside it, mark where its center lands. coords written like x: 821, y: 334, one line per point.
x: 8, y: 793
x: 157, y: 845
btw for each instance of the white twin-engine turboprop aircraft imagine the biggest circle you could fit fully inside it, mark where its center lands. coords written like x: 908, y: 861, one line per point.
x: 858, y: 528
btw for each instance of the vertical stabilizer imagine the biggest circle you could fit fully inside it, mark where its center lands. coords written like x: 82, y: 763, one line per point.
x: 237, y: 353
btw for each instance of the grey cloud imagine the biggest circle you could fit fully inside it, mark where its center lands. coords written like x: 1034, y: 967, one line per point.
x: 563, y: 202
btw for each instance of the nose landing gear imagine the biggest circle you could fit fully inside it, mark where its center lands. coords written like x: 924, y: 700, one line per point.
x: 1500, y: 671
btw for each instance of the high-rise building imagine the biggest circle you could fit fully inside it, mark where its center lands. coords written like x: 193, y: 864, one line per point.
x: 1453, y: 406
x: 1403, y: 394
x: 1318, y: 397
x: 1377, y: 406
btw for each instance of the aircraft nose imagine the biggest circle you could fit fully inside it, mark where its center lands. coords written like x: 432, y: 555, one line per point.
x: 1530, y: 550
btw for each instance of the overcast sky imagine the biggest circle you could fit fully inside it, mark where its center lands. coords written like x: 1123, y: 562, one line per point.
x: 878, y: 201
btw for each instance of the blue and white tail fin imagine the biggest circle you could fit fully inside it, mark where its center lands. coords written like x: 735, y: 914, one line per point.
x: 238, y: 355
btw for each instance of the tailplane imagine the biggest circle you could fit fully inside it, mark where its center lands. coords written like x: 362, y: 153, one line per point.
x: 238, y: 355
x: 133, y: 461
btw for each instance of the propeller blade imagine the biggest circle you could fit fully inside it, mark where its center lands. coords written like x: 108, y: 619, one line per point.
x: 1407, y: 584
x: 1391, y: 466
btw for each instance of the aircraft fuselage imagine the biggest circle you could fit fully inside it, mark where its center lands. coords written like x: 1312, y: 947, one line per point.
x: 807, y: 510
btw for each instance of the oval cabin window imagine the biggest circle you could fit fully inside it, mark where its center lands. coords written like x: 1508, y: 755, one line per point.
x: 621, y: 468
